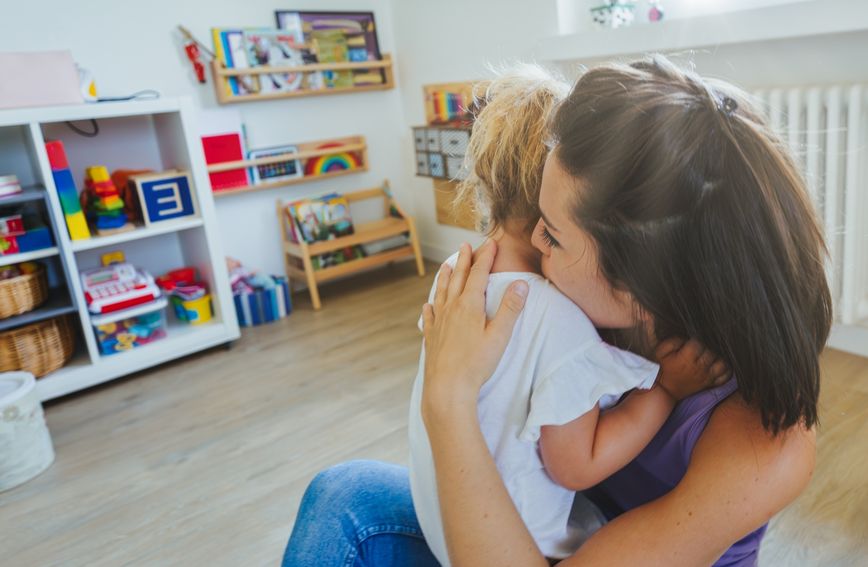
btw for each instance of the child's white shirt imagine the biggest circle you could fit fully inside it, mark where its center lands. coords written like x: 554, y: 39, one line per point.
x: 555, y: 369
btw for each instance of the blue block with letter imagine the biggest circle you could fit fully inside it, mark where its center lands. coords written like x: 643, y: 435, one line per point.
x: 165, y: 196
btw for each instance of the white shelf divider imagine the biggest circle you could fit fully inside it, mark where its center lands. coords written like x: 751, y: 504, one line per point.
x: 7, y: 259
x: 164, y: 227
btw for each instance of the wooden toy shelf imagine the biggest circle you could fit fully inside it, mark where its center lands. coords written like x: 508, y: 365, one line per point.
x: 298, y: 256
x: 222, y: 74
x: 308, y: 150
x: 159, y: 133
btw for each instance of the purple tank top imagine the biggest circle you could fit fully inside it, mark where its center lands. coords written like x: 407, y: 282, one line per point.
x: 662, y: 464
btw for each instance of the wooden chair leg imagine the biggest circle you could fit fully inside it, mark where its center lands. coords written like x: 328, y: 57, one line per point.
x: 417, y: 250
x: 311, y: 282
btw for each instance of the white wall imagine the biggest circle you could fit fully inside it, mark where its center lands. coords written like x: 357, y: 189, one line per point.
x: 134, y: 46
x: 131, y: 46
x: 574, y: 15
x: 453, y: 40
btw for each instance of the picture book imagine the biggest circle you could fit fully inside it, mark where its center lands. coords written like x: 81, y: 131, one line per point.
x: 331, y: 47
x: 229, y: 49
x: 336, y: 215
x: 323, y: 218
x: 222, y: 148
x: 274, y: 48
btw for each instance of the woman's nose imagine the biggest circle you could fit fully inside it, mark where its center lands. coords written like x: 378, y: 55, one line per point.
x: 537, y: 240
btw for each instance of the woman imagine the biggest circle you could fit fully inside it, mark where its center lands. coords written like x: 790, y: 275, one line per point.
x: 669, y: 208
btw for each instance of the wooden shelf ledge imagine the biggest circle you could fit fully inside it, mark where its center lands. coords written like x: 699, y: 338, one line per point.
x: 222, y: 75
x: 287, y: 182
x: 353, y: 266
x: 306, y: 150
x: 229, y: 165
x: 385, y: 63
x: 364, y: 233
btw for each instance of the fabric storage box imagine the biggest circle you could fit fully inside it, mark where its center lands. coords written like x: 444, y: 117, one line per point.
x: 130, y: 328
x: 455, y: 167
x: 433, y: 140
x: 436, y: 167
x: 264, y: 305
x: 420, y: 139
x: 421, y: 163
x: 454, y: 142
x: 25, y: 444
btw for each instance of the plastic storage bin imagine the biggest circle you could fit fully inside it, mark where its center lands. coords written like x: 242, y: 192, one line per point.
x: 193, y: 311
x: 130, y: 328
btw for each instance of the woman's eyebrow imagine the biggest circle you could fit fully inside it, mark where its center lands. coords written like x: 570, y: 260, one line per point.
x: 548, y: 222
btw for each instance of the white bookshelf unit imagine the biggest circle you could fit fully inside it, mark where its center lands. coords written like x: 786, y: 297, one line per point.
x: 154, y: 135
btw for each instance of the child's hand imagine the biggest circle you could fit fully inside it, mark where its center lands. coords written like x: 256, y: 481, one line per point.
x: 687, y: 367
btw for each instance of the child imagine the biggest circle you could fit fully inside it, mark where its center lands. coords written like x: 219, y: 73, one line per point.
x: 556, y: 369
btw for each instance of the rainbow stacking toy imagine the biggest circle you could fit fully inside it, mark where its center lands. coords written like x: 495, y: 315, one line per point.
x: 106, y: 208
x: 66, y: 191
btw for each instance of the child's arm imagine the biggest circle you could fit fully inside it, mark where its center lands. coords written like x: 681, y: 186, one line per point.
x: 587, y: 450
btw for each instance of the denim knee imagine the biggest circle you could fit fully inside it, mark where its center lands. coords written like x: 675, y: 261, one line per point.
x: 333, y: 483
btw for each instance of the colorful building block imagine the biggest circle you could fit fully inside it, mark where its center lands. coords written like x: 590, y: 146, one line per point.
x: 77, y: 225
x: 105, y: 207
x: 98, y: 174
x: 64, y: 184
x: 56, y: 154
x: 67, y: 191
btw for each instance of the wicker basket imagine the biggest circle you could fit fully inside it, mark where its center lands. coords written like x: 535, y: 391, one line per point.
x: 39, y: 348
x: 23, y: 293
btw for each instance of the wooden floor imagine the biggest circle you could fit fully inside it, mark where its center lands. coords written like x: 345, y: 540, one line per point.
x: 204, y: 461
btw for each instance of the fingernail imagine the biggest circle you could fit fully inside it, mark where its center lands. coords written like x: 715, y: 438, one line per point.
x: 521, y: 289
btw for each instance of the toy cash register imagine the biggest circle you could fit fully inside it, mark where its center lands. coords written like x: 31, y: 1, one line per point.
x: 118, y: 286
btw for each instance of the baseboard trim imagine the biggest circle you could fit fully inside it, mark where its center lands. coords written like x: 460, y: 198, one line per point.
x: 849, y: 338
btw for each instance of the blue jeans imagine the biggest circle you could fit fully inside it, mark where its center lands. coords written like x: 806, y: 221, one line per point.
x: 358, y: 514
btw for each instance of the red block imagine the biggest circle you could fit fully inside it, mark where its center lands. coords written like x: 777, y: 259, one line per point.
x: 56, y: 154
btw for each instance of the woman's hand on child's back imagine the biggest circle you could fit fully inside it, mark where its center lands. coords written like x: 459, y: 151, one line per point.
x: 687, y: 367
x: 462, y: 348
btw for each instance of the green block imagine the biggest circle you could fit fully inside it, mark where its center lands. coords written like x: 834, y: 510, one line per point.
x: 70, y: 203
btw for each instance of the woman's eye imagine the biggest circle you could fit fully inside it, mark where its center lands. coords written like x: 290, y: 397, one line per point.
x: 549, y: 239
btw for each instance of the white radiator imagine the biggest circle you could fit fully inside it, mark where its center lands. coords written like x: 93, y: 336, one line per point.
x: 827, y: 130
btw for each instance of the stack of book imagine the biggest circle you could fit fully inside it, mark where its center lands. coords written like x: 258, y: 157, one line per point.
x: 9, y: 185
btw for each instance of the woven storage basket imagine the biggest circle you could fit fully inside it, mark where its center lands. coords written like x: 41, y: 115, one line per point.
x: 39, y: 348
x: 22, y: 293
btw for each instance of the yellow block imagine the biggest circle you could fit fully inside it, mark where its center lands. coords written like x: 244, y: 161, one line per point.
x: 98, y: 173
x: 77, y: 225
x: 109, y: 258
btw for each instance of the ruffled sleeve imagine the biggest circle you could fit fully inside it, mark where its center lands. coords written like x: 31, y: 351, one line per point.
x: 597, y: 372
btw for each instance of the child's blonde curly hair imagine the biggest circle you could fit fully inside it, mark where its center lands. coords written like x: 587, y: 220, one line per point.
x: 508, y: 147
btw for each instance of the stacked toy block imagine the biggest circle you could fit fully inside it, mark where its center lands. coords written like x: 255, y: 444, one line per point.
x: 66, y: 190
x: 106, y: 208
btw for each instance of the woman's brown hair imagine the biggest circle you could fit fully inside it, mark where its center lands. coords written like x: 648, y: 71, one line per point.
x: 699, y: 211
